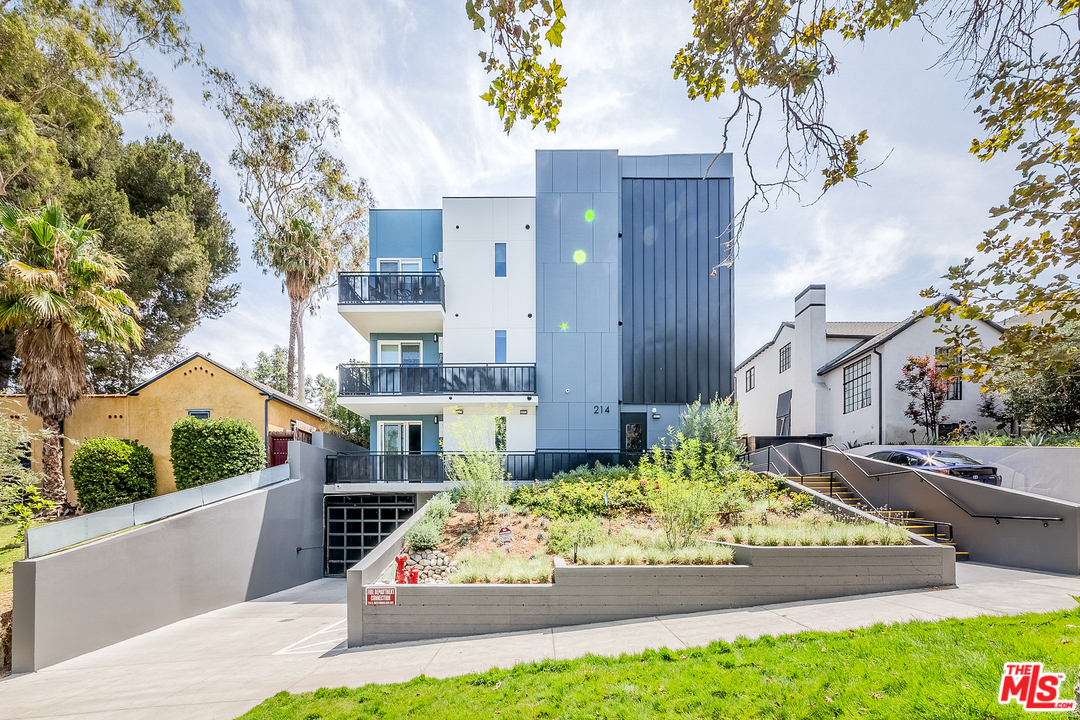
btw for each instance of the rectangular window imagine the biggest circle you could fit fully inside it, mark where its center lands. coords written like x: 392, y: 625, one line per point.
x: 947, y: 366
x: 785, y: 357
x: 500, y: 346
x: 751, y: 379
x: 857, y: 385
x: 500, y: 259
x: 500, y: 434
x: 199, y: 414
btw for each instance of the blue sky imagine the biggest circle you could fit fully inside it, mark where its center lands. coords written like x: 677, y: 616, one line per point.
x: 407, y: 79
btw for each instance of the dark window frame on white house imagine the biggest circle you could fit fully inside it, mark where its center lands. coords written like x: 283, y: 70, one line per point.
x: 857, y: 394
x: 785, y: 357
x: 956, y: 386
x: 751, y: 379
x: 199, y: 414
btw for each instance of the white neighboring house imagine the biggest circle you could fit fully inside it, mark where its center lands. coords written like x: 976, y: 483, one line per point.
x: 840, y: 377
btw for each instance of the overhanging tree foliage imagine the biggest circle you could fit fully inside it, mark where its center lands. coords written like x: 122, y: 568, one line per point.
x: 310, y: 217
x: 66, y: 68
x: 1021, y: 60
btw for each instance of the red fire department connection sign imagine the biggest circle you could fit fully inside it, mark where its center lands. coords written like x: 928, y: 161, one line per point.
x: 381, y: 596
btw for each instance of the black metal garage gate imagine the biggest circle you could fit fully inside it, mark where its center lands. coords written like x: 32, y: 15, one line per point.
x: 356, y: 524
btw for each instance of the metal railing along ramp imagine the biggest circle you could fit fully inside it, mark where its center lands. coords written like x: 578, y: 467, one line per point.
x: 996, y: 525
x: 62, y: 534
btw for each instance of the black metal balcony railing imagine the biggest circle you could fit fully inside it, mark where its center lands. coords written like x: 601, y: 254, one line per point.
x: 356, y: 288
x: 362, y: 380
x: 428, y: 467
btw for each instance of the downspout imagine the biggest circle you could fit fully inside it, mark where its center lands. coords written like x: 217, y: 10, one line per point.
x: 266, y: 423
x: 881, y: 399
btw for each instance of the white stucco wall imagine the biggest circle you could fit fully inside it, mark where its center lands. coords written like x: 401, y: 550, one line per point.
x: 477, y: 302
x: 520, y: 429
x: 757, y: 408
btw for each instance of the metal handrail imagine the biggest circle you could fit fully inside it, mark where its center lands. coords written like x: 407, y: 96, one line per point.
x: 996, y: 518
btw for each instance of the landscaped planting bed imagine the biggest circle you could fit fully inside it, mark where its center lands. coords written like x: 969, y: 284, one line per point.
x: 517, y: 544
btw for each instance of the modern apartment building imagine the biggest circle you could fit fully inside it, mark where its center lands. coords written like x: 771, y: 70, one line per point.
x: 588, y: 316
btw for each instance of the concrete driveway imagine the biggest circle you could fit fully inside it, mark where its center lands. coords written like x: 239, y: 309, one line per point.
x: 219, y: 665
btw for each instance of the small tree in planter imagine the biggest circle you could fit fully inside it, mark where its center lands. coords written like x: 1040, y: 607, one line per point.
x: 476, y: 469
x: 927, y: 384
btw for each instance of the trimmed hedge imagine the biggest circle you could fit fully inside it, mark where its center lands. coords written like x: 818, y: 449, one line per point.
x: 205, y: 451
x: 110, y: 471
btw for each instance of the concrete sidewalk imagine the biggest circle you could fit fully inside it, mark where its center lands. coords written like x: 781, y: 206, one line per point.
x: 223, y: 663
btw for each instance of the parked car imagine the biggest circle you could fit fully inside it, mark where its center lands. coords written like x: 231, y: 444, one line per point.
x: 942, y: 461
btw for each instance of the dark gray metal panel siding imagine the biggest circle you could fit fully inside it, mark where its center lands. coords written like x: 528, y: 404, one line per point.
x: 678, y: 319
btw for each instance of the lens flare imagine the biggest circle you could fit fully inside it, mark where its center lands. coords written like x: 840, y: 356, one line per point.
x: 589, y: 215
x: 579, y: 256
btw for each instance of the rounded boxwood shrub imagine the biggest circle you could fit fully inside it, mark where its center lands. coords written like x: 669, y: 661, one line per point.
x: 110, y: 471
x: 205, y: 451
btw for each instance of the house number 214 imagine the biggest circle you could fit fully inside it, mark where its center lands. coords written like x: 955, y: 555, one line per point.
x: 598, y: 409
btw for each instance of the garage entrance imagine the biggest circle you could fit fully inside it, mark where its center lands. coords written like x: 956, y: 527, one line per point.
x: 356, y: 524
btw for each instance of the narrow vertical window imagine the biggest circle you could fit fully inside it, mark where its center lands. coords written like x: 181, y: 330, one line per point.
x: 500, y: 259
x: 785, y: 357
x: 751, y: 380
x: 500, y: 346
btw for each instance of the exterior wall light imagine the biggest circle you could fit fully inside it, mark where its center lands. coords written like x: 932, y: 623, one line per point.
x: 524, y: 412
x: 459, y: 411
x: 436, y: 419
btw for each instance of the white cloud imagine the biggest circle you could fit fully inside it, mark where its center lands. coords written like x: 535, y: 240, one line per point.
x: 407, y: 78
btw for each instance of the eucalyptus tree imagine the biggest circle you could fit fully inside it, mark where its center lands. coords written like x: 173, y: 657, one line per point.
x: 310, y: 216
x: 57, y: 286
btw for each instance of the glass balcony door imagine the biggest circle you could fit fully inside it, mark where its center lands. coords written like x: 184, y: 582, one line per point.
x: 400, y: 444
x: 405, y: 378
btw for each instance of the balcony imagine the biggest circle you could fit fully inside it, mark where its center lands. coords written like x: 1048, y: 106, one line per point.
x: 381, y: 468
x: 420, y: 389
x: 392, y: 302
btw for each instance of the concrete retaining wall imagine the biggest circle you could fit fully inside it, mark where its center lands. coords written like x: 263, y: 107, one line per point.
x: 581, y: 595
x: 90, y: 596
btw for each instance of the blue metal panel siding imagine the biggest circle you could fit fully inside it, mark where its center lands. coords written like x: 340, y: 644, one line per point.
x: 677, y: 318
x: 405, y: 233
x: 577, y: 306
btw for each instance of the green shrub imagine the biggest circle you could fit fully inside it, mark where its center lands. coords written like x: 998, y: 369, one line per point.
x: 427, y: 532
x: 424, y: 535
x: 564, y: 534
x: 584, y: 492
x: 440, y: 507
x: 716, y: 424
x: 110, y: 471
x: 205, y: 451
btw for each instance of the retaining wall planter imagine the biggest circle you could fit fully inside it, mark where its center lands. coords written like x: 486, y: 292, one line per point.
x: 590, y: 594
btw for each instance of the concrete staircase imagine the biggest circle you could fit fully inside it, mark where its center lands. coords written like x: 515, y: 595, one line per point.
x: 837, y: 489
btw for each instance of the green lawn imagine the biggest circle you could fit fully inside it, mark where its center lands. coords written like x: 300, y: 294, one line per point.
x: 949, y: 669
x: 9, y: 553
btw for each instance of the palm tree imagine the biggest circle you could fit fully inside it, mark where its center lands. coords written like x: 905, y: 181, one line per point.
x: 306, y: 262
x: 55, y: 284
